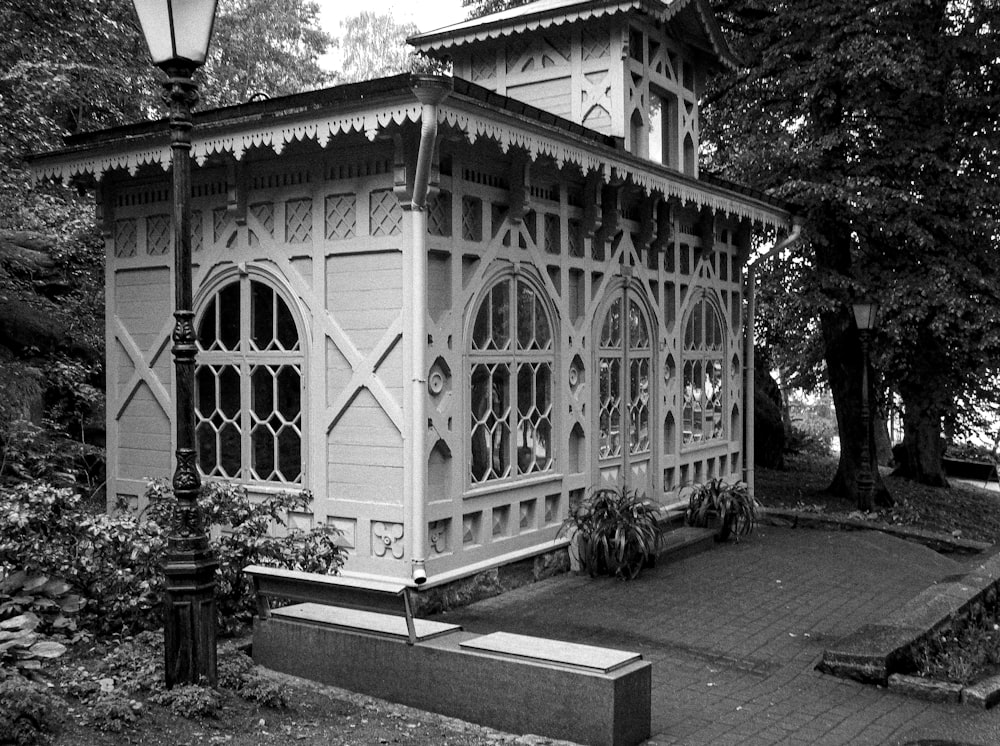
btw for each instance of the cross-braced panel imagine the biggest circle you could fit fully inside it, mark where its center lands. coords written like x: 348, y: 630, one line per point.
x: 596, y: 43
x: 157, y: 234
x: 439, y: 214
x: 125, y: 238
x: 264, y: 212
x: 341, y: 216
x: 298, y: 220
x: 384, y: 213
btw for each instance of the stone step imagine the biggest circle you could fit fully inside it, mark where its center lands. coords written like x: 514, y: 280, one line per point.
x: 683, y: 541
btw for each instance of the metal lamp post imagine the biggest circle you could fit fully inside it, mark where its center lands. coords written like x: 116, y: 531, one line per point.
x: 865, y: 316
x: 178, y: 33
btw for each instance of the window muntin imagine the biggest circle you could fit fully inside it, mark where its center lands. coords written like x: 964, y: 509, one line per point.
x: 511, y: 360
x: 248, y: 386
x: 613, y: 396
x: 703, y: 375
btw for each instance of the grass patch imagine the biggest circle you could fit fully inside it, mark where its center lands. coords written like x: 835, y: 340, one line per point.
x: 962, y: 510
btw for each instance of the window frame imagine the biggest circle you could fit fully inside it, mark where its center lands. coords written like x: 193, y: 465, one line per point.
x: 245, y: 359
x: 703, y: 355
x: 513, y: 358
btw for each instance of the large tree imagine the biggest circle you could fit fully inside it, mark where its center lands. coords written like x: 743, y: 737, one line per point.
x: 373, y: 45
x: 880, y: 119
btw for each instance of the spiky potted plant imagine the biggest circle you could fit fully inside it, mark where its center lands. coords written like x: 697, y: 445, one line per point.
x: 617, y: 532
x: 728, y: 502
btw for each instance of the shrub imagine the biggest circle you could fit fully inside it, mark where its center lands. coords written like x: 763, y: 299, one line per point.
x: 619, y: 532
x: 33, y: 608
x: 114, y: 561
x: 730, y: 502
x: 28, y: 713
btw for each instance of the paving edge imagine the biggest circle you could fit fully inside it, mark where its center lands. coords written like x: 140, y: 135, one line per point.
x: 984, y: 694
x: 939, y: 542
x: 875, y: 652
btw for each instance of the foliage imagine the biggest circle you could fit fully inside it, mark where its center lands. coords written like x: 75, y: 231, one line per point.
x: 190, y: 700
x: 34, y: 609
x: 731, y: 502
x: 268, y: 47
x: 479, y: 8
x: 618, y: 532
x: 374, y: 46
x: 880, y: 120
x: 238, y: 672
x: 961, y: 656
x: 246, y: 539
x: 28, y: 712
x: 114, y: 560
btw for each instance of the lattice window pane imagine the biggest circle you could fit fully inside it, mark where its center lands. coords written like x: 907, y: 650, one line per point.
x: 490, y: 422
x: 534, y: 426
x: 341, y: 216
x: 384, y: 213
x: 439, y: 214
x: 298, y: 220
x: 248, y: 392
x: 157, y: 234
x: 609, y: 412
x: 125, y: 238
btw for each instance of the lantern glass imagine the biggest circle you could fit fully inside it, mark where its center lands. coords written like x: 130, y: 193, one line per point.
x: 866, y: 315
x: 177, y: 31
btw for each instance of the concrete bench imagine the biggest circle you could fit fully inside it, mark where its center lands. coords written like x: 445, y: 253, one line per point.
x: 339, y: 633
x: 378, y: 607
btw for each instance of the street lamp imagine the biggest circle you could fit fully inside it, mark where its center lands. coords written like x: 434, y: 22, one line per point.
x: 178, y: 33
x: 865, y: 316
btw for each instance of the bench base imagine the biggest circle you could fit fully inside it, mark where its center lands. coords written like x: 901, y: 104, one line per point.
x: 513, y: 694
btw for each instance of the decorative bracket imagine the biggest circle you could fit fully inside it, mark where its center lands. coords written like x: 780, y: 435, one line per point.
x: 647, y: 221
x: 592, y: 204
x: 611, y: 211
x: 519, y: 179
x: 706, y: 232
x: 406, y: 144
x: 237, y: 188
x: 665, y: 224
x: 744, y: 239
x: 105, y: 207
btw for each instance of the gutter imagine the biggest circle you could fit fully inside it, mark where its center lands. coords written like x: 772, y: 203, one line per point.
x: 430, y: 91
x: 750, y: 292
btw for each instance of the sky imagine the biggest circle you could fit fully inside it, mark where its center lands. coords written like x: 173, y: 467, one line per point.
x: 426, y: 14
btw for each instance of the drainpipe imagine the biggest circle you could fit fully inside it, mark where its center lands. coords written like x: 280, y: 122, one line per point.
x: 430, y: 91
x: 749, y: 369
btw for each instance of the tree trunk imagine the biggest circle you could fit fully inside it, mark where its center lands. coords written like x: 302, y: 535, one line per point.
x: 842, y: 350
x: 922, y: 453
x: 883, y: 443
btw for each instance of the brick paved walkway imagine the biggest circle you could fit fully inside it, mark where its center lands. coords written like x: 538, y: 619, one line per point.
x: 734, y: 635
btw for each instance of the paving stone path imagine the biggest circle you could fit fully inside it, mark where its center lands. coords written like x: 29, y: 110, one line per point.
x: 734, y: 635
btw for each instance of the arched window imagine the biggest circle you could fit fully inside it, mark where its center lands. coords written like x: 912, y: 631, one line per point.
x: 248, y: 386
x: 704, y: 374
x: 511, y: 356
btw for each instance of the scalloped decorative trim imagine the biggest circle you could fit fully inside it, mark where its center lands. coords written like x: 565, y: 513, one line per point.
x: 473, y: 125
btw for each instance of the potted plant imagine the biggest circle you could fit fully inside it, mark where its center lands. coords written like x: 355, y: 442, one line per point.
x: 617, y: 532
x: 728, y: 502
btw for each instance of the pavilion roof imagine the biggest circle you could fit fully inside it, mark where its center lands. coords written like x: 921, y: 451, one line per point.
x: 695, y: 18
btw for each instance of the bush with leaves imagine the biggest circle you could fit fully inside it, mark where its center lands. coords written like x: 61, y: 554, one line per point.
x: 29, y: 714
x: 245, y: 536
x: 618, y: 532
x: 114, y: 560
x: 33, y: 610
